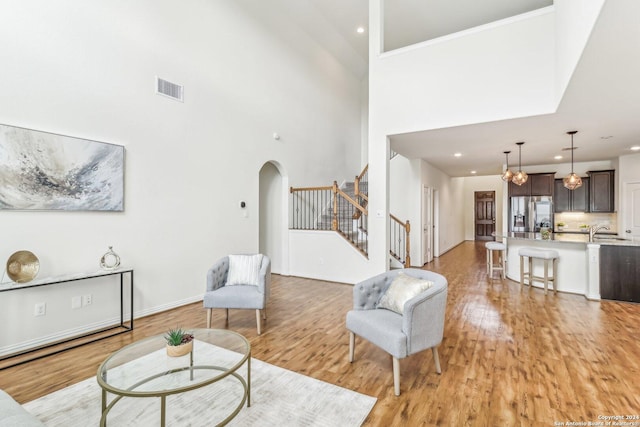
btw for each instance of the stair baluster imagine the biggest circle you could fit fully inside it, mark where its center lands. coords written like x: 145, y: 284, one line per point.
x: 344, y: 210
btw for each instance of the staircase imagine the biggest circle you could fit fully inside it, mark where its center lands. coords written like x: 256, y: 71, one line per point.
x: 326, y: 218
x: 348, y: 218
x: 344, y: 210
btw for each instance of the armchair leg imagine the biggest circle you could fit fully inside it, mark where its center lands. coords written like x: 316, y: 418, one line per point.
x: 209, y: 318
x: 227, y: 314
x: 258, y: 321
x: 264, y: 313
x: 396, y: 376
x: 436, y: 359
x: 352, y: 346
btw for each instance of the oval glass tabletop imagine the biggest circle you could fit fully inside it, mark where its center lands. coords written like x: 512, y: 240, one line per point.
x: 144, y: 368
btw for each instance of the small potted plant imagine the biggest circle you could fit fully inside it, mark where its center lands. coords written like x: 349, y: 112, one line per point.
x: 561, y: 225
x: 179, y: 342
x: 545, y: 233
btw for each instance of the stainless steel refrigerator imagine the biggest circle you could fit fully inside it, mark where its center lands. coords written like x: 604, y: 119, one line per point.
x: 530, y: 214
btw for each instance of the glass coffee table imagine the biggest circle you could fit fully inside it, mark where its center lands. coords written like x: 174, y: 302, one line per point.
x: 143, y: 369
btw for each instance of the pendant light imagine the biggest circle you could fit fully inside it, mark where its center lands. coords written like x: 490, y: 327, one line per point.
x: 572, y: 181
x: 507, y: 175
x: 520, y: 177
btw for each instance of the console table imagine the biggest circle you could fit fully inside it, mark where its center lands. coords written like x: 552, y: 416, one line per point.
x: 98, y: 334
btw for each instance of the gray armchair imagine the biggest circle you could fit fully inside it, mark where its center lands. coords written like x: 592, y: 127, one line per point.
x: 237, y: 296
x: 420, y: 327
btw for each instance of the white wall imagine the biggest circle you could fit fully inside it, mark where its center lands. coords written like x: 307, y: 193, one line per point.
x: 628, y: 172
x: 326, y: 255
x: 574, y: 21
x: 476, y: 77
x: 451, y: 203
x: 87, y: 70
x: 364, y: 123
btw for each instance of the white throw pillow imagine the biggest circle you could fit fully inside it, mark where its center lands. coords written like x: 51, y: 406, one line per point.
x: 401, y: 290
x: 244, y: 269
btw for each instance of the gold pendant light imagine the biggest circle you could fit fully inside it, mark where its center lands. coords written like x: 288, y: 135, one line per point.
x: 507, y: 175
x: 572, y: 181
x: 520, y: 177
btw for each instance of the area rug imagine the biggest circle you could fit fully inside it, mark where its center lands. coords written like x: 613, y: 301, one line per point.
x: 278, y: 398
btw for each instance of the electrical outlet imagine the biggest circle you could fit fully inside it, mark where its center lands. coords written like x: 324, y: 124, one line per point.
x: 76, y: 302
x: 40, y: 309
x: 87, y: 299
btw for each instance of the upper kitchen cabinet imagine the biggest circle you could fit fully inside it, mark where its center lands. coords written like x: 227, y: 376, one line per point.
x: 520, y: 190
x: 538, y: 184
x: 542, y: 184
x: 565, y: 200
x: 602, y: 187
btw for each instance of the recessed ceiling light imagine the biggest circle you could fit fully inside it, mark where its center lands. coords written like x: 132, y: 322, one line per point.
x: 635, y: 148
x: 473, y: 172
x: 557, y: 157
x: 360, y: 30
x: 457, y: 155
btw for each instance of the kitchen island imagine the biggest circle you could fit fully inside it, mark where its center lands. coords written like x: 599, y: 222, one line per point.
x: 578, y: 266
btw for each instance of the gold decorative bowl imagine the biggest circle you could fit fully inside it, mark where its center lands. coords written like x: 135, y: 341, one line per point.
x: 22, y: 266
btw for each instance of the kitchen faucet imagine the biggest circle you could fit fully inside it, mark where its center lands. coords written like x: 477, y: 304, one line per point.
x: 594, y: 229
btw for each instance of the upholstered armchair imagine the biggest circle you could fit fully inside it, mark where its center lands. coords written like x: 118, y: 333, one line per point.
x: 420, y: 326
x: 239, y: 282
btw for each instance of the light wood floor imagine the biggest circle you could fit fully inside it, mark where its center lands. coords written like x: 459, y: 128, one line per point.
x: 509, y: 357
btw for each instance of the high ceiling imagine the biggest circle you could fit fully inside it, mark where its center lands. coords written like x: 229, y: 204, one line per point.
x: 602, y: 100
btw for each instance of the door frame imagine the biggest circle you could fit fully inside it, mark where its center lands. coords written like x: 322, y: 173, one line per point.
x: 627, y: 208
x: 429, y: 231
x: 475, y: 214
x: 281, y: 235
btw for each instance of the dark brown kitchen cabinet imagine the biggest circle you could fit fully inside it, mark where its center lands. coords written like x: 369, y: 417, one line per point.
x: 601, y: 196
x: 562, y: 198
x: 619, y: 272
x: 565, y: 200
x: 538, y: 184
x: 520, y: 190
x: 542, y: 184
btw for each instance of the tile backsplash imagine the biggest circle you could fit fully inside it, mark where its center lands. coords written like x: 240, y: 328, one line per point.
x: 573, y: 220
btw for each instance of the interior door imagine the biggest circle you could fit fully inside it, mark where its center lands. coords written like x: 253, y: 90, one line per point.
x: 632, y: 210
x: 485, y: 215
x: 427, y: 225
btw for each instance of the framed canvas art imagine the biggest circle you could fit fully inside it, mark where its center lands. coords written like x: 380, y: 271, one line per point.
x: 46, y: 171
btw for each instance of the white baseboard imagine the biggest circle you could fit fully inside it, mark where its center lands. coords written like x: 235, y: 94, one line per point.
x: 73, y: 332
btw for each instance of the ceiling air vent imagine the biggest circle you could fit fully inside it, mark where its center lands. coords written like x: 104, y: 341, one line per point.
x: 172, y: 90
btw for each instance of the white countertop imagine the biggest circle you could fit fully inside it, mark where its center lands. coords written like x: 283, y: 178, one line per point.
x: 600, y: 239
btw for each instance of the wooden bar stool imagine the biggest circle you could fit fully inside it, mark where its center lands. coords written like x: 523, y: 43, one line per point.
x: 502, y: 258
x: 544, y: 254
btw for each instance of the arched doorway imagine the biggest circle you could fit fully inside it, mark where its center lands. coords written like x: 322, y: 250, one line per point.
x: 273, y: 223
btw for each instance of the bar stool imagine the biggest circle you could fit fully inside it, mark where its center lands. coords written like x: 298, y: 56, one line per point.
x: 544, y: 254
x: 502, y: 259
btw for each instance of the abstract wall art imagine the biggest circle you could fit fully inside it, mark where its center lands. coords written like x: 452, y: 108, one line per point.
x: 45, y: 171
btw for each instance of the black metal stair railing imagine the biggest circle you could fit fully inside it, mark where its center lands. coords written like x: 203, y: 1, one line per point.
x: 330, y: 208
x: 311, y: 208
x: 344, y: 210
